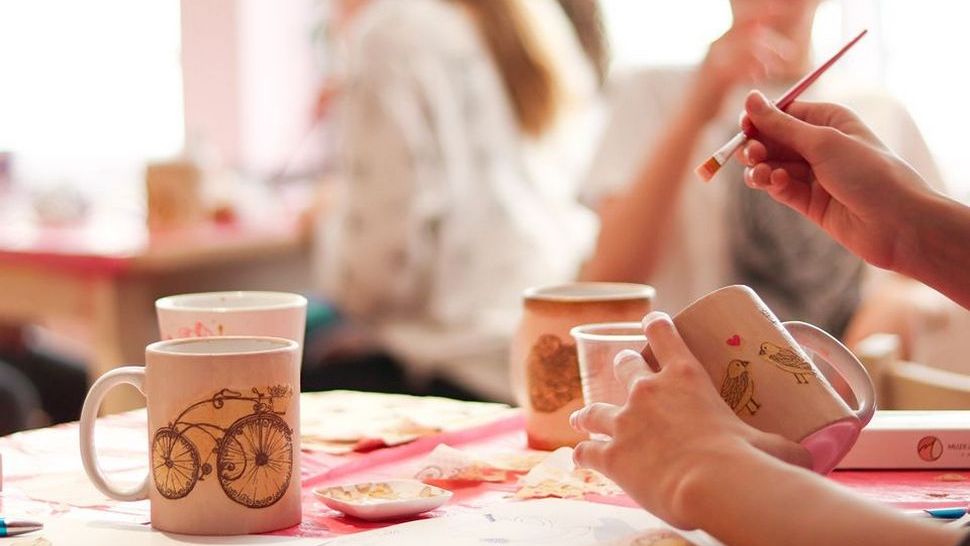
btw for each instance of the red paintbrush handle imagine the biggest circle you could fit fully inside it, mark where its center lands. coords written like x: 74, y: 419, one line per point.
x: 808, y: 80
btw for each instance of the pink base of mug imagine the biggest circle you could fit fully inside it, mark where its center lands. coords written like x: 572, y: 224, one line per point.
x: 831, y: 443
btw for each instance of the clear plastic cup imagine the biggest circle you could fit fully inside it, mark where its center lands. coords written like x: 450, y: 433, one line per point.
x: 596, y: 345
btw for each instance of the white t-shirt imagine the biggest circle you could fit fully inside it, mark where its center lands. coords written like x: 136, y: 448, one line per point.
x: 697, y: 259
x: 447, y: 211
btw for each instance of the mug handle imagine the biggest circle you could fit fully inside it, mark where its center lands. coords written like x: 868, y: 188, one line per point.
x: 132, y: 375
x: 842, y: 360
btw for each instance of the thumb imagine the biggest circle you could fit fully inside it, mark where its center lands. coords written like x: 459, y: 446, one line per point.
x: 772, y: 124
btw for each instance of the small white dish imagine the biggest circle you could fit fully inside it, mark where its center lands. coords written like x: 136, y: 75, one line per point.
x: 382, y: 500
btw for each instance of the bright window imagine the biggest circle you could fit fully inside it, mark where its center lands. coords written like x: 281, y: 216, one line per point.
x: 923, y: 59
x: 916, y: 51
x: 90, y: 89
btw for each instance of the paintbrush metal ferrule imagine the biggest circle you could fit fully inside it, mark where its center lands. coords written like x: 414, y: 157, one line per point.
x: 724, y: 153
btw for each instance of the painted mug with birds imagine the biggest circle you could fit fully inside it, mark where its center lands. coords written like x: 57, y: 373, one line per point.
x: 765, y: 370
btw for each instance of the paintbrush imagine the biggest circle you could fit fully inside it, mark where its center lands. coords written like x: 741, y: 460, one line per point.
x: 709, y: 168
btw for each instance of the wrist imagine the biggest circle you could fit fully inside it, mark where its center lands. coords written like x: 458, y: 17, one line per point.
x: 706, y: 96
x: 698, y: 482
x: 924, y: 235
x: 932, y: 247
x: 692, y: 117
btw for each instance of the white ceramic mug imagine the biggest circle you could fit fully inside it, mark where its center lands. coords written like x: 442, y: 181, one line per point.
x: 241, y: 313
x: 764, y: 370
x: 223, y: 434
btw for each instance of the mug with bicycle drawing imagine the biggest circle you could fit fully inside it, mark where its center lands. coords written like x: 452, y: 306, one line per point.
x: 223, y: 421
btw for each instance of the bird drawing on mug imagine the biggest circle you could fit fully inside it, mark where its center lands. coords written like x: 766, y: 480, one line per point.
x: 737, y: 389
x: 787, y: 360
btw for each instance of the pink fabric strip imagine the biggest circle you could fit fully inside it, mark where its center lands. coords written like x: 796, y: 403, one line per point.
x: 418, y: 447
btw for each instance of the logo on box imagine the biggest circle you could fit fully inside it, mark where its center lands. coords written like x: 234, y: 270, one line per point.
x: 929, y: 448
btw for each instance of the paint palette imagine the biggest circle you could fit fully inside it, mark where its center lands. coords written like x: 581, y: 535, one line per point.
x: 391, y: 499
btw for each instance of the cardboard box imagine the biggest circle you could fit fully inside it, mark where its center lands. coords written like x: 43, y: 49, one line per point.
x: 913, y: 440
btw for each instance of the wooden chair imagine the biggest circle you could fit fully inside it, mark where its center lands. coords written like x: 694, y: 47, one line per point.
x: 905, y: 385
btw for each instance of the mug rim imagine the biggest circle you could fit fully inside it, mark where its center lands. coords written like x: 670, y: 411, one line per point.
x: 715, y: 294
x: 288, y: 300
x: 585, y: 332
x: 624, y: 291
x: 159, y: 347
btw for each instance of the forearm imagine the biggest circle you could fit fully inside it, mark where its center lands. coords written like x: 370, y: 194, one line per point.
x: 751, y: 499
x: 635, y: 222
x: 935, y: 247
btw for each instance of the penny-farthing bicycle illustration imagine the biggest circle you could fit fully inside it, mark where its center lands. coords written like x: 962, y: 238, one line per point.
x: 253, y: 455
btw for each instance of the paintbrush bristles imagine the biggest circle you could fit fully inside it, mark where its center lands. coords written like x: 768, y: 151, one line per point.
x: 710, y: 167
x: 707, y: 171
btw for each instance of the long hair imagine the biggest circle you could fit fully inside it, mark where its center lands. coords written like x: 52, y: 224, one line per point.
x: 525, y: 66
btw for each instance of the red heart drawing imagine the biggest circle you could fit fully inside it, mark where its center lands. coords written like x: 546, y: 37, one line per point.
x: 734, y: 341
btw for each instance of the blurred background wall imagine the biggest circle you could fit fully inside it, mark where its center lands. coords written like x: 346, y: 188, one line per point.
x: 108, y: 84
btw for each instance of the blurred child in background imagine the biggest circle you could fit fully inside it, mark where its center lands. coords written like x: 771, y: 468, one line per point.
x: 688, y: 238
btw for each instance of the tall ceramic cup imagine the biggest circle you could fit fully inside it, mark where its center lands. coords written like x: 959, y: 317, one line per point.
x: 223, y: 434
x: 764, y: 370
x: 544, y: 364
x: 278, y: 314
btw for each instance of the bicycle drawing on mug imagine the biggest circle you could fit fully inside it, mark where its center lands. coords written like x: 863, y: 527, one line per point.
x: 253, y: 455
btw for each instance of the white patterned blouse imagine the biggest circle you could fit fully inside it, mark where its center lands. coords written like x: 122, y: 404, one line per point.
x: 446, y: 210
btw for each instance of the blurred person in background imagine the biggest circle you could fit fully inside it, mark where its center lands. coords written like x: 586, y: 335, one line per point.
x: 20, y: 404
x: 690, y: 237
x: 38, y: 386
x: 465, y: 127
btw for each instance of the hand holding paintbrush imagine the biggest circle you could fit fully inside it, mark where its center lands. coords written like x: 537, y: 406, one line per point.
x: 709, y: 168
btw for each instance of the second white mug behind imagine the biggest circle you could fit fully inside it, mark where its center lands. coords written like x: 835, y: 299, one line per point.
x: 236, y: 313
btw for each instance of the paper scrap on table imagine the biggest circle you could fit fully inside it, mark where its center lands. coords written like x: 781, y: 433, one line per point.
x: 74, y: 489
x: 655, y: 537
x: 448, y: 463
x: 557, y: 476
x: 339, y: 422
x: 545, y: 521
x: 951, y: 477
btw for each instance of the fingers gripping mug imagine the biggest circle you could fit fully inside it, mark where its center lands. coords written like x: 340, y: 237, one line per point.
x: 763, y: 369
x: 223, y: 434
